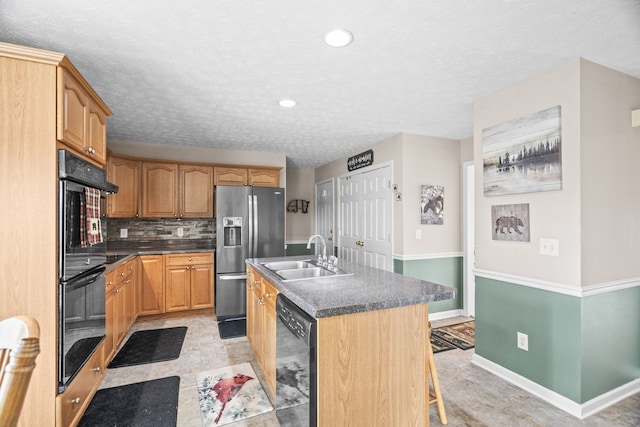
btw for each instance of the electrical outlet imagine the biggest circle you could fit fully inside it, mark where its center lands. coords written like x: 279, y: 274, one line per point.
x: 418, y: 234
x: 180, y: 232
x: 124, y: 233
x: 523, y: 341
x: 549, y: 247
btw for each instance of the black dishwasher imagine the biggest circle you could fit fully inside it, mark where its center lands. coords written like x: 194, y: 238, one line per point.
x: 295, y: 365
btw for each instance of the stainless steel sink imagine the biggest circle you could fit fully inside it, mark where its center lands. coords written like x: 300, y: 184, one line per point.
x: 304, y: 273
x: 289, y: 265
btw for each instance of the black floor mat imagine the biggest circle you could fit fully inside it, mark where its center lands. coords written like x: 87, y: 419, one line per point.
x: 232, y: 328
x: 147, y: 404
x: 79, y: 353
x: 155, y: 345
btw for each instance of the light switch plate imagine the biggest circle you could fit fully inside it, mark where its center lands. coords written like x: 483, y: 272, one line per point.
x: 549, y: 247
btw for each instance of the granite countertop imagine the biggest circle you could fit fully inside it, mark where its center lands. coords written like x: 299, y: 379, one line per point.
x: 367, y: 289
x: 122, y: 251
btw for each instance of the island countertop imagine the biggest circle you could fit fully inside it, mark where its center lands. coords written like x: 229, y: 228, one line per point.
x: 367, y: 289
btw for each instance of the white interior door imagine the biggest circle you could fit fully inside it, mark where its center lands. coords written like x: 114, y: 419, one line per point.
x: 469, y: 280
x: 366, y: 218
x: 324, y: 213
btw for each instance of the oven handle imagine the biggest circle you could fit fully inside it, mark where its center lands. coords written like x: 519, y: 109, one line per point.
x: 85, y: 279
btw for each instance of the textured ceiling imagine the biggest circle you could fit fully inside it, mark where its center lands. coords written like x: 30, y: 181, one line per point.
x: 211, y: 73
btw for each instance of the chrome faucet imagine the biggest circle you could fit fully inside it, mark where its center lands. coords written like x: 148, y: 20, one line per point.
x: 323, y: 258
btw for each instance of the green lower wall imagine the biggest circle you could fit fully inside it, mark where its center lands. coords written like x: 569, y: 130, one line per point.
x: 580, y: 348
x: 294, y: 249
x: 443, y: 271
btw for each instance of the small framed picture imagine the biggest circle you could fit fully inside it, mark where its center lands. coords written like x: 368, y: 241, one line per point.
x: 432, y: 204
x: 510, y: 222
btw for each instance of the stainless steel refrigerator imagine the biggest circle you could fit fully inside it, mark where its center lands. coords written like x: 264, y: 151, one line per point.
x: 249, y: 224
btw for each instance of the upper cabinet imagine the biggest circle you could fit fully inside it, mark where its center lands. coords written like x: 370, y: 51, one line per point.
x: 81, y: 117
x: 196, y: 191
x: 258, y: 177
x: 125, y: 173
x: 176, y: 190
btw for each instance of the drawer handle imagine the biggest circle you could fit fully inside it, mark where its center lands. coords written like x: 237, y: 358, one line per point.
x: 122, y: 274
x: 268, y: 295
x: 75, y: 401
x: 190, y: 259
x: 97, y: 369
x: 261, y: 301
x: 126, y: 282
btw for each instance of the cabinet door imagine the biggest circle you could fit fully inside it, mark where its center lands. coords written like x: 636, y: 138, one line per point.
x: 264, y: 177
x: 177, y: 288
x: 201, y: 286
x: 159, y: 190
x: 151, y: 286
x: 196, y: 191
x: 269, y: 347
x: 97, y: 134
x: 109, y: 342
x: 119, y: 310
x: 125, y: 174
x: 72, y: 112
x: 230, y: 176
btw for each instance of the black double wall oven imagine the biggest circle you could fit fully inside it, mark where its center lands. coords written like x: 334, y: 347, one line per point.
x: 82, y: 188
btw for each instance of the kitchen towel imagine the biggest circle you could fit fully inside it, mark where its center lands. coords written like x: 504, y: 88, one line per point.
x: 93, y: 228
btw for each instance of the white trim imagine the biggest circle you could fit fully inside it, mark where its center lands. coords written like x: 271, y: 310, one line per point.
x: 468, y: 244
x: 578, y: 410
x: 445, y: 315
x: 418, y: 257
x: 560, y: 288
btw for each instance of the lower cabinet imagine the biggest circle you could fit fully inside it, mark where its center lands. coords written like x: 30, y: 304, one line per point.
x: 261, y: 324
x: 151, y: 286
x: 188, y: 281
x: 72, y: 403
x: 120, y: 305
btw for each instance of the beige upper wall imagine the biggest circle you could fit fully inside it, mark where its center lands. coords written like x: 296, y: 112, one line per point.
x: 592, y: 216
x: 553, y: 214
x: 610, y: 155
x: 300, y: 185
x: 416, y: 160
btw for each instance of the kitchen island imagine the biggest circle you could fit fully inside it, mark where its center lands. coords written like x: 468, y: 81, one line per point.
x: 372, y: 337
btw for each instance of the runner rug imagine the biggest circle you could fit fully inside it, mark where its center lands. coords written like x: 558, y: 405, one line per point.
x: 230, y: 394
x: 146, y: 404
x: 461, y: 335
x: 155, y: 345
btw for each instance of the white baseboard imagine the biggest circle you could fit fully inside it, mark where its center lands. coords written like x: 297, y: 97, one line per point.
x: 578, y: 410
x: 445, y: 315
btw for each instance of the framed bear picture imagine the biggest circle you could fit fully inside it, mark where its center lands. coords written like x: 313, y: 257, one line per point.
x: 510, y: 222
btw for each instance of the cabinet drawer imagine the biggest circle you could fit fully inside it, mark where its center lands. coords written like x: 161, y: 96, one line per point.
x: 75, y: 399
x: 269, y: 294
x: 188, y: 259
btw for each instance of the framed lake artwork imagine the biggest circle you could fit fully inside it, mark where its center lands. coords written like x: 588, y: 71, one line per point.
x: 523, y: 155
x: 510, y: 222
x: 432, y: 204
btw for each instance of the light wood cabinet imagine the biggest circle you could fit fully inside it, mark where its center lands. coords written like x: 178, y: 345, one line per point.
x: 151, y: 286
x: 71, y: 404
x: 261, y: 324
x: 81, y: 121
x: 124, y: 173
x: 188, y: 281
x: 196, y: 191
x: 258, y: 177
x: 120, y: 305
x: 159, y: 190
x: 179, y: 191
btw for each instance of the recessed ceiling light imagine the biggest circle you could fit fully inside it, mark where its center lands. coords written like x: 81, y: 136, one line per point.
x: 338, y: 38
x: 287, y: 103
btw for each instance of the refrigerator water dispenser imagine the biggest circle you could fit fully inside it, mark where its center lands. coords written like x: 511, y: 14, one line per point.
x: 232, y: 230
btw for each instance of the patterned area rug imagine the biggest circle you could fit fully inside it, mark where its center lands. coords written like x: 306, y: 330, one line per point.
x: 230, y: 394
x: 446, y: 338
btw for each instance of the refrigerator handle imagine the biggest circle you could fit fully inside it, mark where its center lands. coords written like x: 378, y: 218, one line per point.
x: 255, y: 226
x: 251, y: 232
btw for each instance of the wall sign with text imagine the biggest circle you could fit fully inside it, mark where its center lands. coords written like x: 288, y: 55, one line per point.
x: 360, y: 160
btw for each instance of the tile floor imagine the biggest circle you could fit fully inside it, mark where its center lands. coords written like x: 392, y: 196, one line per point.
x: 472, y: 396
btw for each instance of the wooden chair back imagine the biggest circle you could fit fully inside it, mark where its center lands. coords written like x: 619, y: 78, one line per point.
x: 19, y: 346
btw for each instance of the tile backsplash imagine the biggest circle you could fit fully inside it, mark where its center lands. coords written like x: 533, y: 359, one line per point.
x: 160, y: 229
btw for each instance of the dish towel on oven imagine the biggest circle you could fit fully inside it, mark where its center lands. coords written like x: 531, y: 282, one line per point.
x: 93, y: 228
